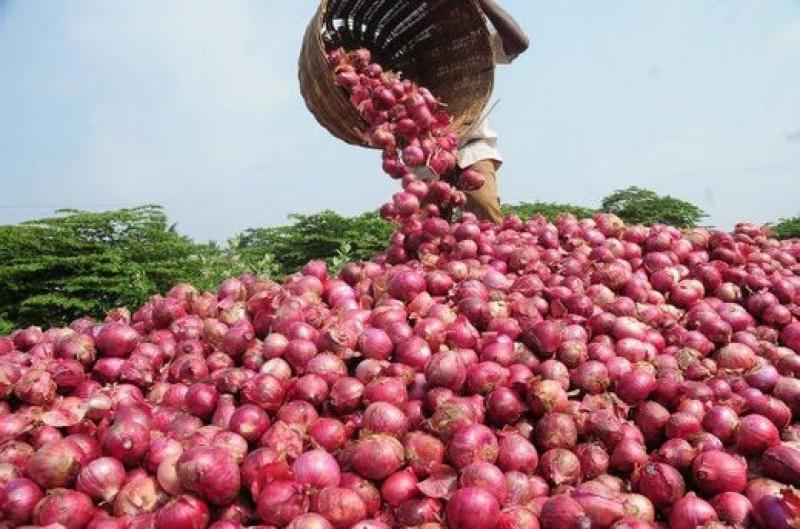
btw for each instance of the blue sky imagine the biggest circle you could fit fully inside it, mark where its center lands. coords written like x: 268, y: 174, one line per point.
x: 194, y: 104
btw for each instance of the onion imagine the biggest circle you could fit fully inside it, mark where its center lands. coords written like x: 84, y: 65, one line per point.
x: 422, y: 451
x: 715, y: 472
x: 563, y: 512
x: 126, y: 440
x: 555, y: 430
x: 690, y: 512
x: 560, y: 467
x: 472, y: 508
x: 183, y: 512
x: 212, y: 473
x: 399, y: 487
x: 101, y: 479
x: 384, y: 418
x: 602, y: 507
x: 139, y: 495
x: 471, y: 443
x: 782, y: 462
x: 755, y: 434
x: 733, y: 508
x: 309, y: 521
x: 249, y: 421
x: 340, y: 506
x: 627, y: 455
x: 317, y: 469
x: 722, y: 422
x: 18, y: 499
x: 660, y: 483
x: 377, y: 456
x: 56, y: 464
x: 70, y: 508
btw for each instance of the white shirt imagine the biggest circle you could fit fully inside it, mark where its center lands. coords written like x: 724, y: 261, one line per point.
x: 481, y: 142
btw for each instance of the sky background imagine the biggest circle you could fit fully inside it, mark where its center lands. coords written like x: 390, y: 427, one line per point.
x: 194, y: 104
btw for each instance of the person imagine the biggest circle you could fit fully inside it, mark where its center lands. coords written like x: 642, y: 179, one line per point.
x: 478, y: 150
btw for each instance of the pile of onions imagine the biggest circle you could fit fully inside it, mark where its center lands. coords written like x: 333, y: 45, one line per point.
x: 530, y: 374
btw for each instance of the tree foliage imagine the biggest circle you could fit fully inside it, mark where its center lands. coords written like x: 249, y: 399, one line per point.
x: 80, y: 263
x: 326, y: 235
x: 788, y: 228
x: 636, y: 205
x: 550, y: 210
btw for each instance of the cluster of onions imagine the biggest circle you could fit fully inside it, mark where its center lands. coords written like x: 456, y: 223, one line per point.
x: 532, y: 374
x: 410, y: 125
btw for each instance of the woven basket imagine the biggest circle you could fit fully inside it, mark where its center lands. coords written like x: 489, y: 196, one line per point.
x: 443, y: 45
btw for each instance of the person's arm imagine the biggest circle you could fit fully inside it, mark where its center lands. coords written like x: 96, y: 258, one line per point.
x: 515, y: 41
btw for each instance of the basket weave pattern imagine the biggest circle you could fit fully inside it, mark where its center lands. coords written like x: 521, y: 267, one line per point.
x: 443, y: 45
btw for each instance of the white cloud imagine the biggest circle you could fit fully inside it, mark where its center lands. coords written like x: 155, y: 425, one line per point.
x: 787, y: 38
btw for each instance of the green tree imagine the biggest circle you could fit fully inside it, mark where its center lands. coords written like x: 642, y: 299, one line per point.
x: 550, y: 210
x: 77, y: 263
x: 635, y: 205
x: 788, y: 228
x: 325, y: 235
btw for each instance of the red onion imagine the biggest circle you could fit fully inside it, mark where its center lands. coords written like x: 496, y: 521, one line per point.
x: 782, y: 462
x: 139, y: 495
x: 690, y: 512
x: 472, y: 508
x: 211, y: 473
x: 733, y: 508
x: 56, y: 464
x: 101, y: 479
x: 560, y: 467
x: 18, y: 499
x: 317, y: 469
x: 308, y: 521
x: 340, y: 506
x: 422, y: 451
x: 183, y: 512
x: 377, y: 456
x: 382, y: 417
x: 627, y: 455
x: 601, y: 506
x: 755, y: 434
x: 715, y: 472
x: 471, y: 443
x: 249, y: 421
x: 127, y: 441
x: 555, y: 430
x: 563, y: 512
x: 721, y: 421
x: 70, y: 508
x: 635, y: 386
x: 399, y: 487
x: 660, y: 483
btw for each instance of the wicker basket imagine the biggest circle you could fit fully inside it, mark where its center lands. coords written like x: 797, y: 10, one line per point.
x: 443, y: 45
